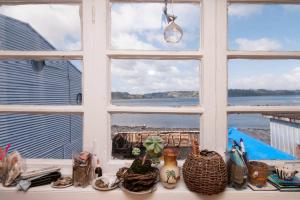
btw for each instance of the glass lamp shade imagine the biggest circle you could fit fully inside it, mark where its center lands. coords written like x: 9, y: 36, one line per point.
x: 173, y: 33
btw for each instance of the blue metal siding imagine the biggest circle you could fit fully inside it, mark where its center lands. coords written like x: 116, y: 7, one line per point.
x: 37, y: 136
x: 285, y: 135
x: 52, y: 86
x: 17, y: 35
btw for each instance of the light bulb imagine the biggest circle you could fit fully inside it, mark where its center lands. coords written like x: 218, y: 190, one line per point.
x: 173, y: 33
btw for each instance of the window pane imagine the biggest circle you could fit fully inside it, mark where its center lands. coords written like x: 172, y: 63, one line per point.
x: 42, y: 136
x: 129, y: 129
x: 264, y: 27
x: 264, y: 82
x: 47, y: 27
x: 155, y: 82
x: 267, y: 136
x: 40, y: 82
x: 139, y: 26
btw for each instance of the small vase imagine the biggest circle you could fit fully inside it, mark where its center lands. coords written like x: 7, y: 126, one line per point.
x: 169, y: 173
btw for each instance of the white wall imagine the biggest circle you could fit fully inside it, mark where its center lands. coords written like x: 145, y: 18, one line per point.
x: 285, y: 135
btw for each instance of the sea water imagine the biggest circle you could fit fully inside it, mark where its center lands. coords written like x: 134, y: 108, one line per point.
x: 192, y: 121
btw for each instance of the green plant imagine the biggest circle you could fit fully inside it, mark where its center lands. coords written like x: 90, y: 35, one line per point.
x: 136, y: 151
x: 154, y: 146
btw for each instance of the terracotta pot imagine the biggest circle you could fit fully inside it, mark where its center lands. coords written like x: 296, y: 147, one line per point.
x: 169, y: 173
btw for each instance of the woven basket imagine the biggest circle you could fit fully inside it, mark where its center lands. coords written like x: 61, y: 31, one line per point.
x: 205, y: 173
x: 137, y: 182
x: 258, y: 173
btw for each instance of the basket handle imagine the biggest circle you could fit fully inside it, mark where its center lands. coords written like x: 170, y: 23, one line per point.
x: 195, y: 147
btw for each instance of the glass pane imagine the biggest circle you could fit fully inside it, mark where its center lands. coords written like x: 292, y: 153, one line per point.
x: 155, y: 82
x: 264, y: 82
x: 264, y: 27
x: 139, y: 26
x: 42, y: 136
x: 47, y: 27
x: 267, y: 136
x: 128, y: 130
x: 40, y: 82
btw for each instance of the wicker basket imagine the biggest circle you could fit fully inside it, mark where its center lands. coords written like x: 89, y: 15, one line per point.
x: 258, y: 173
x: 205, y: 173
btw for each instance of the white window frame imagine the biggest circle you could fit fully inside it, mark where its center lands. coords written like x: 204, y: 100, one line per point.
x: 96, y: 55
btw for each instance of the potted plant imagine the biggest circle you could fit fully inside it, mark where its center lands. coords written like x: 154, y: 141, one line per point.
x: 142, y: 174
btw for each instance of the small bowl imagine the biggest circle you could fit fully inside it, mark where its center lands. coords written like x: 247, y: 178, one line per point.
x: 105, y: 180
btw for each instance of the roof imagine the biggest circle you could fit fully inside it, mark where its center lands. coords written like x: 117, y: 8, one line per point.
x: 18, y: 35
x: 256, y: 149
x: 288, y: 117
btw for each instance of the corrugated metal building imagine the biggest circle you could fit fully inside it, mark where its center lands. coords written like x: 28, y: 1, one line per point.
x: 30, y: 82
x: 285, y: 132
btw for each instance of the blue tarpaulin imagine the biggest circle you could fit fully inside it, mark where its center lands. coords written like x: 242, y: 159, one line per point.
x: 256, y: 149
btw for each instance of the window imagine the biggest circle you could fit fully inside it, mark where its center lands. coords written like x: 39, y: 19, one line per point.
x: 263, y: 82
x: 130, y: 130
x: 155, y: 82
x: 137, y: 26
x: 40, y: 27
x: 262, y: 79
x: 263, y: 27
x: 37, y: 85
x: 104, y: 49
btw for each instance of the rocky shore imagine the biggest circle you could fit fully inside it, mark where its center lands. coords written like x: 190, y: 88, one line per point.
x: 117, y: 129
x: 258, y: 133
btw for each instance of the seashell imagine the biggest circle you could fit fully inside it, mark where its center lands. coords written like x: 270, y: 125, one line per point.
x: 285, y: 172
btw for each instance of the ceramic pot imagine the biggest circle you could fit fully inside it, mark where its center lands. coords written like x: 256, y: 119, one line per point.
x: 169, y: 173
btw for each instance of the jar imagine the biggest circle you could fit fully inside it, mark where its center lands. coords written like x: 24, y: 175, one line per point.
x: 169, y: 173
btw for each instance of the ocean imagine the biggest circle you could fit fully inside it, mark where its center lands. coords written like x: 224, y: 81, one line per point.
x: 193, y: 121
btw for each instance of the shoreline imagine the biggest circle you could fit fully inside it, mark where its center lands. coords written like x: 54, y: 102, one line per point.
x: 258, y: 133
x: 122, y: 147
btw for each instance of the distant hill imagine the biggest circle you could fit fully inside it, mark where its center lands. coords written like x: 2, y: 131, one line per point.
x: 261, y: 92
x: 194, y: 94
x: 156, y: 95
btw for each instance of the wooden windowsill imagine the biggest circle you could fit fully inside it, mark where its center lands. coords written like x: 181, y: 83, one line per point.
x: 180, y: 193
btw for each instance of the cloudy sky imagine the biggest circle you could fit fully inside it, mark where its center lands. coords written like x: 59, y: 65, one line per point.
x: 140, y: 27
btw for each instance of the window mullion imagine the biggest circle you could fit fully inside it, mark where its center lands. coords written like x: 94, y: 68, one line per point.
x: 132, y: 54
x: 45, y: 55
x: 167, y: 110
x: 263, y: 55
x: 208, y: 119
x: 221, y: 76
x: 265, y: 1
x: 40, y: 109
x: 256, y: 109
x: 39, y: 1
x: 96, y: 79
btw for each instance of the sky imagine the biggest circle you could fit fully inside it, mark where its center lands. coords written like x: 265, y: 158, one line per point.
x: 136, y: 26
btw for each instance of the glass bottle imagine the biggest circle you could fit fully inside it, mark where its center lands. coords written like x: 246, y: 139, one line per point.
x: 98, y: 170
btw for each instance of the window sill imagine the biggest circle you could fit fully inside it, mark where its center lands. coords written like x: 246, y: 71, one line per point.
x: 181, y: 192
